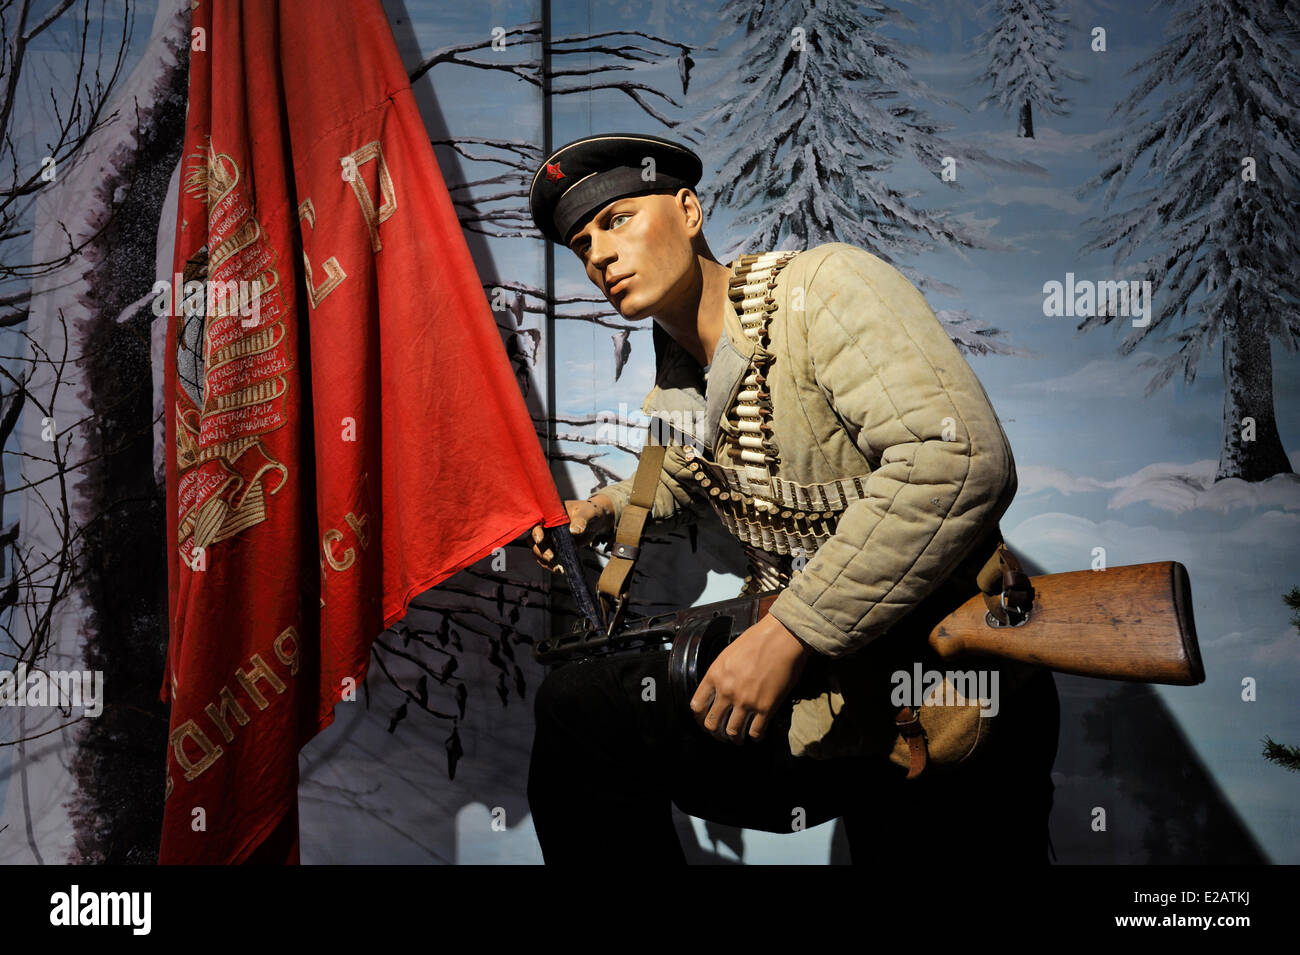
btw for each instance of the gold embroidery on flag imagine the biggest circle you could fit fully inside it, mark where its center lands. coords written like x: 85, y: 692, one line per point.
x: 334, y: 274
x: 351, y: 163
x: 349, y: 555
x: 286, y: 648
x: 244, y: 236
x: 232, y: 375
x: 357, y: 524
x: 263, y: 341
x: 211, y: 177
x: 210, y: 750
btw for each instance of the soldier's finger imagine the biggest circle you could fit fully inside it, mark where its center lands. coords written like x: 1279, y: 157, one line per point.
x: 716, y: 721
x: 757, y: 727
x: 544, y: 558
x: 735, y: 726
x: 702, y: 701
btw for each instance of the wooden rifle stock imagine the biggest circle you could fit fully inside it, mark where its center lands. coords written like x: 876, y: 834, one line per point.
x: 1124, y: 623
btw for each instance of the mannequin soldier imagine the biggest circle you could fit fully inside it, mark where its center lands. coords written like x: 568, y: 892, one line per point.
x: 865, y: 473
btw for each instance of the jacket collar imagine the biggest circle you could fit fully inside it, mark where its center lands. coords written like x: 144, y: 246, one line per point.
x: 680, y: 384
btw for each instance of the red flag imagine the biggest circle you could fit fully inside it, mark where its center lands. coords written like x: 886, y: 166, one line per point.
x: 344, y: 429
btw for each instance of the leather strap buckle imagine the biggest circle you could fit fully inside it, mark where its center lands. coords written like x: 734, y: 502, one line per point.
x: 908, y: 723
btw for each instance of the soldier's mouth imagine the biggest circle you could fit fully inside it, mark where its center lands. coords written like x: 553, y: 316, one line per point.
x: 620, y: 285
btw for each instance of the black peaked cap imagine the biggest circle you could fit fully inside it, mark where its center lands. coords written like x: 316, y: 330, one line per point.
x: 581, y: 178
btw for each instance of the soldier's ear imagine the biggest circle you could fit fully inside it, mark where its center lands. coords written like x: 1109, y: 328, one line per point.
x: 692, y: 211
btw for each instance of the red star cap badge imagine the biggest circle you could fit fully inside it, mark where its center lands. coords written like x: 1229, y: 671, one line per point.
x: 553, y: 172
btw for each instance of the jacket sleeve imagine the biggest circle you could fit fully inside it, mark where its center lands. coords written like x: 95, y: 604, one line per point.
x: 676, y: 504
x: 942, y: 473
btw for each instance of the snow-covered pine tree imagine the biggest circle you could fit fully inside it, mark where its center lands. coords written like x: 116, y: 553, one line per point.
x: 1284, y: 755
x: 1220, y: 224
x: 1020, y: 53
x: 820, y: 106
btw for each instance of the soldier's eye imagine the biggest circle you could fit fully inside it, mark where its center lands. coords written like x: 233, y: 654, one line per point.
x: 613, y: 223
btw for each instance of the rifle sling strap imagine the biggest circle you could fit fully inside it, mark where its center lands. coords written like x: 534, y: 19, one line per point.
x: 1006, y: 587
x: 1000, y: 579
x: 617, y: 575
x: 909, y: 727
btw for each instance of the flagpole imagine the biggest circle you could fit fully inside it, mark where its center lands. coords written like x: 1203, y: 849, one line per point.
x: 549, y: 285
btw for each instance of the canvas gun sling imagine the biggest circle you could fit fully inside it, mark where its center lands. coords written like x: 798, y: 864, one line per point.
x: 615, y: 579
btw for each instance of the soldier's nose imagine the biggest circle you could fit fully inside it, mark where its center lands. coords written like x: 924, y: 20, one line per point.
x: 600, y: 254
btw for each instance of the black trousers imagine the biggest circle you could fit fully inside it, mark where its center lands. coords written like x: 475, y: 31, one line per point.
x: 611, y: 752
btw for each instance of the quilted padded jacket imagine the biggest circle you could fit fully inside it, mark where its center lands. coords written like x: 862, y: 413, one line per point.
x: 865, y: 381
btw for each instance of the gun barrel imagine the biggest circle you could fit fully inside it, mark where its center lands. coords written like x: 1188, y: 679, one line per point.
x: 590, y: 641
x: 652, y: 631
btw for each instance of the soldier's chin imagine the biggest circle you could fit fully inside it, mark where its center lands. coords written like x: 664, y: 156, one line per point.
x: 632, y: 309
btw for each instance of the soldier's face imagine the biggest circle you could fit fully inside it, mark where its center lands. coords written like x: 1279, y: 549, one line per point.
x: 638, y: 251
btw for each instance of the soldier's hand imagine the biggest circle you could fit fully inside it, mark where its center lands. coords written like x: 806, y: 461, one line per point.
x: 747, y: 682
x: 587, y: 520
